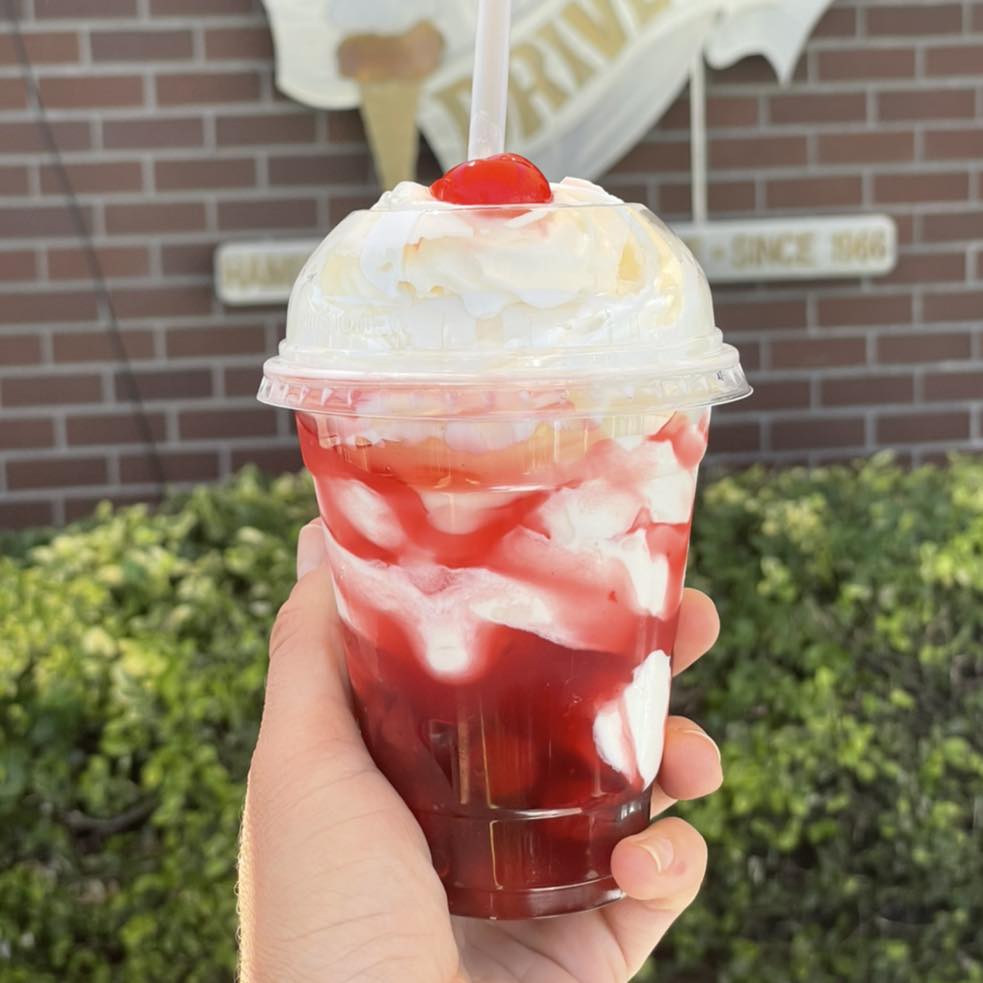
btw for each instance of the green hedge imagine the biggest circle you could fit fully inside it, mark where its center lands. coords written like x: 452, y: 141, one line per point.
x: 846, y: 690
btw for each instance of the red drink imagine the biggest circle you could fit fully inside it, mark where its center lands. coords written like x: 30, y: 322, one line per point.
x: 509, y: 595
x: 504, y: 408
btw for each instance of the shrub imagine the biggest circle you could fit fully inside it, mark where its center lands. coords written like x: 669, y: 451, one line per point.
x: 845, y: 845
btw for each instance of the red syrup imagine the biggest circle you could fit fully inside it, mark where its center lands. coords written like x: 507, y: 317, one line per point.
x: 493, y: 743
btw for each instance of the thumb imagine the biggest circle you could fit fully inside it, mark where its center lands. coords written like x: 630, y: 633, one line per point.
x: 307, y: 699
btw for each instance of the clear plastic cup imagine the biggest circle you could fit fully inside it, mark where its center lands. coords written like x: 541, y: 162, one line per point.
x: 507, y: 497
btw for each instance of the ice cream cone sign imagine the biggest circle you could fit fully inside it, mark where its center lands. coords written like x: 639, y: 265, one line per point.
x: 390, y: 70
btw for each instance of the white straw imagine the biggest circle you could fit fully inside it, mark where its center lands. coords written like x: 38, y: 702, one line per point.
x: 698, y: 137
x: 490, y: 89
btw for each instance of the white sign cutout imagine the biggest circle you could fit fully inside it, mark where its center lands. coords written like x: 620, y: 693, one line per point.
x: 589, y: 77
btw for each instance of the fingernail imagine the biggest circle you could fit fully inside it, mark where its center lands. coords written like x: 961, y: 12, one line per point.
x: 661, y: 851
x: 708, y: 739
x: 310, y: 549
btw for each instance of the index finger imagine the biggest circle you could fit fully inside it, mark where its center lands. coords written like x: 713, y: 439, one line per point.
x: 699, y: 628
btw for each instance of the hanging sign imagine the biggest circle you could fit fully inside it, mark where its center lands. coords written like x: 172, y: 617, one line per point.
x: 794, y: 248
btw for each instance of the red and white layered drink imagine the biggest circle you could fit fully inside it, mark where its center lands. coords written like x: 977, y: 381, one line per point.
x: 504, y: 409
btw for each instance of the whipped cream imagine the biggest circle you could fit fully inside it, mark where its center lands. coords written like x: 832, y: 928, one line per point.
x: 498, y: 286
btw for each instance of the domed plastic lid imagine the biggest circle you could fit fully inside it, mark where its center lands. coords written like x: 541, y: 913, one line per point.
x: 585, y: 292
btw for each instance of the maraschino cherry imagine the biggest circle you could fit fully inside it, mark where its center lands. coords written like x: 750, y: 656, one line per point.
x: 505, y: 179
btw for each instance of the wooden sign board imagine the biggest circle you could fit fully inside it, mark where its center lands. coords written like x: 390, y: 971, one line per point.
x: 794, y: 248
x: 256, y: 273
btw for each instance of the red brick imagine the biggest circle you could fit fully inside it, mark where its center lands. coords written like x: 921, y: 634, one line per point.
x: 774, y: 394
x: 186, y: 175
x: 26, y: 434
x: 142, y: 46
x: 758, y: 152
x: 921, y: 348
x: 70, y: 9
x: 91, y: 91
x: 817, y: 192
x: 654, y: 158
x: 135, y: 134
x: 817, y: 433
x: 24, y: 515
x: 200, y: 8
x: 102, y: 177
x: 43, y: 307
x: 808, y: 353
x: 954, y: 306
x: 99, y: 346
x: 188, y: 258
x: 866, y: 148
x: 141, y: 469
x: 345, y: 126
x: 272, y: 460
x: 722, y: 196
x: 954, y: 385
x: 113, y: 428
x: 160, y: 302
x: 17, y: 265
x: 922, y: 427
x: 156, y: 384
x: 814, y: 107
x: 82, y: 506
x: 14, y: 180
x: 868, y: 390
x: 19, y: 349
x: 964, y: 59
x: 155, y: 217
x: 226, y: 423
x: 242, y: 381
x: 50, y: 390
x: 195, y: 88
x: 239, y: 43
x: 26, y: 138
x: 321, y: 169
x: 954, y: 144
x: 60, y: 472
x: 114, y: 261
x: 926, y: 104
x: 965, y: 224
x: 978, y: 17
x: 729, y: 112
x: 261, y: 130
x: 750, y: 352
x: 867, y: 63
x: 862, y: 309
x: 919, y: 268
x: 839, y: 22
x: 39, y: 221
x: 761, y: 315
x: 43, y: 48
x: 209, y: 340
x: 917, y: 188
x: 914, y: 19
x: 13, y: 93
x: 269, y: 213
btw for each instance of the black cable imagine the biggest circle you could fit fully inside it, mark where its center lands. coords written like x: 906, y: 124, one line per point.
x: 96, y: 272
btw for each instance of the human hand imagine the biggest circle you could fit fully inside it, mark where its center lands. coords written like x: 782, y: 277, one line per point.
x: 335, y: 879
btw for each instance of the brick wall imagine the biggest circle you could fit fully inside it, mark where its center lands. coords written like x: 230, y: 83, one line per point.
x: 176, y: 140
